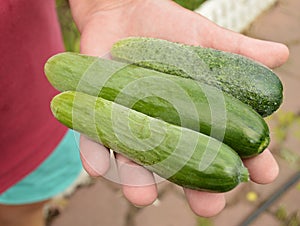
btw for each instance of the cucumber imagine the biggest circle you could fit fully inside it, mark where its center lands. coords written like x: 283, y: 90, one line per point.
x: 183, y: 156
x: 173, y: 99
x: 245, y: 79
x: 190, y: 4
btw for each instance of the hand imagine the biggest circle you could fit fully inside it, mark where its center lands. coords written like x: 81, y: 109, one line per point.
x: 103, y: 22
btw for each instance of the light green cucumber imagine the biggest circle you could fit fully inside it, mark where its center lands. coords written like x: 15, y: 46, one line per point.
x: 183, y: 156
x: 245, y: 79
x: 176, y: 100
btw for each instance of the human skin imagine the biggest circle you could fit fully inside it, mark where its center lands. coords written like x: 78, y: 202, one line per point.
x: 103, y: 22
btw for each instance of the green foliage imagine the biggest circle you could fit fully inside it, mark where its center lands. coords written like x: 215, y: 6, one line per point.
x: 286, y: 219
x: 285, y: 127
x: 284, y: 120
x: 190, y: 4
x: 294, y: 220
x: 281, y: 213
x: 290, y: 156
x: 201, y: 221
x: 298, y: 186
x: 71, y: 36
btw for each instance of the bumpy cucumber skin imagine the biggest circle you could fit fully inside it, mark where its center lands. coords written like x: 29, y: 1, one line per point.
x: 220, y: 116
x: 245, y: 79
x: 160, y: 147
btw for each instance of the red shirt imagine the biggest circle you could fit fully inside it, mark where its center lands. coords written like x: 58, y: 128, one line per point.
x: 29, y: 35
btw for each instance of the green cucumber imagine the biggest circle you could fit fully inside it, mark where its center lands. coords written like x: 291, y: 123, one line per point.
x: 245, y: 79
x: 190, y: 4
x: 183, y: 156
x: 173, y: 99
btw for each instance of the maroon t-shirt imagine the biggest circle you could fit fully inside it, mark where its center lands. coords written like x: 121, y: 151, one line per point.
x: 29, y: 35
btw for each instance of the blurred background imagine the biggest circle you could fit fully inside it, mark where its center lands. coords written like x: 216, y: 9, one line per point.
x: 100, y: 202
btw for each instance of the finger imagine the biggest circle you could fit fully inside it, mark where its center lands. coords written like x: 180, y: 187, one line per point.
x: 138, y: 183
x: 94, y: 157
x: 269, y: 53
x: 263, y: 168
x: 205, y: 204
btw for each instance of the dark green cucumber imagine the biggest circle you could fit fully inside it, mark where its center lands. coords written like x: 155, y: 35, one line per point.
x: 190, y: 4
x: 245, y: 79
x: 183, y: 156
x: 176, y: 100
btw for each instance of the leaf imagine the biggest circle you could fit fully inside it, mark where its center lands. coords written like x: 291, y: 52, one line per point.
x: 280, y: 134
x: 291, y: 157
x: 201, y: 221
x: 298, y: 186
x: 297, y: 134
x: 286, y: 118
x: 294, y: 220
x: 281, y: 213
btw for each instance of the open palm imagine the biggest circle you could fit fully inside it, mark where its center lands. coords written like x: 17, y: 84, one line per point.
x: 103, y: 22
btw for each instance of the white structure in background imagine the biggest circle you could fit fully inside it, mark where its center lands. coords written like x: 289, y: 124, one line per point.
x: 235, y: 15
